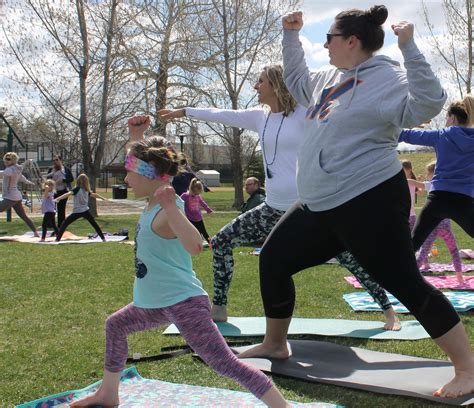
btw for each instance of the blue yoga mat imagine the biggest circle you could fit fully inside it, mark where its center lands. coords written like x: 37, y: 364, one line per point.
x: 363, y: 302
x: 255, y: 326
x: 138, y: 392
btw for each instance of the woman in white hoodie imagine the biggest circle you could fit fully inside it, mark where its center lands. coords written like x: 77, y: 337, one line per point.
x: 353, y: 194
x: 11, y: 195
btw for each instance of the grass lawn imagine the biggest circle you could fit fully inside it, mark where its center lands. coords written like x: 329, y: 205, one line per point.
x: 54, y: 301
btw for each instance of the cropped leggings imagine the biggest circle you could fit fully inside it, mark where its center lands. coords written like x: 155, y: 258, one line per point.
x: 254, y: 226
x: 20, y: 211
x: 193, y: 319
x: 367, y: 226
x: 440, y: 205
x: 443, y: 230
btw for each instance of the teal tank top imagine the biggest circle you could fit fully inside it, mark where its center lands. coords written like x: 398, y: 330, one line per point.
x: 164, y: 270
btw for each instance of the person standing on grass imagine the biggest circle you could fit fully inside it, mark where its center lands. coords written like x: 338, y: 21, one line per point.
x: 410, y: 175
x: 81, y: 194
x: 181, y: 181
x: 48, y: 208
x: 353, y: 194
x: 192, y: 207
x: 11, y: 195
x: 452, y: 186
x: 280, y: 126
x: 63, y: 178
x: 166, y: 288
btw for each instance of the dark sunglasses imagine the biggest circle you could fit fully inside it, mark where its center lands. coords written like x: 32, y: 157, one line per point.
x: 329, y: 36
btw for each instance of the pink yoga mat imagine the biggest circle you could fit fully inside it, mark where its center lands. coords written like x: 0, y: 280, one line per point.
x: 441, y: 282
x: 437, y: 267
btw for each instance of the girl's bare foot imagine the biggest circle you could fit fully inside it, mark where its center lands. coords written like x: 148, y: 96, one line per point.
x: 461, y: 384
x: 263, y: 350
x: 219, y: 313
x: 97, y: 398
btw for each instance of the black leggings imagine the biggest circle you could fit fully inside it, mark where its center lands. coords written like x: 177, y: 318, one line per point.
x: 201, y: 228
x: 75, y: 216
x: 48, y: 221
x: 440, y: 205
x: 369, y: 226
x: 61, y: 206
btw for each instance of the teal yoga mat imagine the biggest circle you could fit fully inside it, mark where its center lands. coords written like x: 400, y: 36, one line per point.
x: 138, y: 392
x: 363, y: 302
x: 255, y: 326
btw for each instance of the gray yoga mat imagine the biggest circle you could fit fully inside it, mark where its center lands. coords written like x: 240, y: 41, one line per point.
x: 354, y: 367
x: 364, y: 329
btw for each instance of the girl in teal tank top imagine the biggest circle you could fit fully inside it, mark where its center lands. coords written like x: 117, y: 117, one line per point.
x: 166, y: 288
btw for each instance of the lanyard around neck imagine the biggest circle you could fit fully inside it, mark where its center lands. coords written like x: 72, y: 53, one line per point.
x: 269, y: 174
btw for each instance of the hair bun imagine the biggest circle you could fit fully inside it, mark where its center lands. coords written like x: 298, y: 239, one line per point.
x: 377, y: 14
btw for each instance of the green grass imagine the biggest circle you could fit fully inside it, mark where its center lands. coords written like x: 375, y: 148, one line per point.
x: 54, y: 301
x: 418, y: 161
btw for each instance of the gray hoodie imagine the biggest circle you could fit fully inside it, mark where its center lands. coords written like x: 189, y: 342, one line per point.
x: 354, y: 119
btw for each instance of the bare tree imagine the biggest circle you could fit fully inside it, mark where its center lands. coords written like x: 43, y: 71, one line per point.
x: 161, y: 50
x: 243, y: 35
x: 70, y: 62
x: 455, y: 46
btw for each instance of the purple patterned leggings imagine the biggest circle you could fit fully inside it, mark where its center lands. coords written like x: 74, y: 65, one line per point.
x: 193, y: 319
x: 444, y: 231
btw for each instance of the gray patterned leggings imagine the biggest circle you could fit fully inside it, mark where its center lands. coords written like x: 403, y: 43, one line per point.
x: 254, y: 226
x: 192, y: 317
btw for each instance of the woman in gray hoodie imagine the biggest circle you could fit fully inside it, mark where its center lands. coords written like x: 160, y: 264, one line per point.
x: 11, y: 195
x: 352, y: 192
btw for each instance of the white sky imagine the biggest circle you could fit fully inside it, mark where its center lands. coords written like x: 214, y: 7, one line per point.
x: 318, y: 17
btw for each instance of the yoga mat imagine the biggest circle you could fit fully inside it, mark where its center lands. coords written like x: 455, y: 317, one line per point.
x: 363, y: 302
x: 255, y: 326
x: 138, y: 392
x: 441, y: 282
x: 466, y: 253
x: 354, y: 367
x: 438, y: 267
x: 67, y: 238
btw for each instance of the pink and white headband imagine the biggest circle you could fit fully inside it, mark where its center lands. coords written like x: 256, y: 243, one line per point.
x: 138, y: 166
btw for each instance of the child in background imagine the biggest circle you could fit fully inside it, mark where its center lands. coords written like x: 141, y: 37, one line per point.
x: 80, y: 194
x: 166, y: 288
x: 48, y: 208
x: 408, y: 169
x: 443, y: 230
x: 192, y: 206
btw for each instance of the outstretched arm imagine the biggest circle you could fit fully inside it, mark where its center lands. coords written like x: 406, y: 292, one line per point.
x: 188, y: 235
x: 171, y: 114
x: 240, y: 118
x: 23, y: 179
x: 95, y: 195
x: 417, y: 184
x: 62, y: 197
